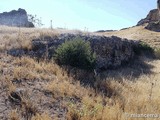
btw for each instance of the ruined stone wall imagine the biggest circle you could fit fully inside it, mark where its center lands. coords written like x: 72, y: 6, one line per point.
x: 111, y: 51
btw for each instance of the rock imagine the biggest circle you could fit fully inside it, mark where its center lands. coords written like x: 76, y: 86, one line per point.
x: 16, y: 52
x: 17, y: 18
x: 154, y: 26
x: 111, y: 51
x: 153, y: 16
x: 152, y: 21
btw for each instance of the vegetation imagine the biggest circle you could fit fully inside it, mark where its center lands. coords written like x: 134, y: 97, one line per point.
x: 52, y: 93
x: 36, y: 21
x: 76, y: 53
x: 143, y: 48
x: 157, y: 53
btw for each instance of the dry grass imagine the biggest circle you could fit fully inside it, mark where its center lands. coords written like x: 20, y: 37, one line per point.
x: 142, y: 92
x: 21, y: 37
x: 137, y: 33
x: 44, y: 116
x: 14, y: 37
x: 13, y: 115
x: 52, y: 93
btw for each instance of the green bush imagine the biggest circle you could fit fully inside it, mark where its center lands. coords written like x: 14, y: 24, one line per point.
x: 76, y: 53
x: 143, y: 48
x: 157, y: 53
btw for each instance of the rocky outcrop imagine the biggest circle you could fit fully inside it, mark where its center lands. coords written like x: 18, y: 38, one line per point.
x: 153, y: 16
x: 152, y: 21
x: 17, y: 18
x: 153, y: 26
x: 111, y: 51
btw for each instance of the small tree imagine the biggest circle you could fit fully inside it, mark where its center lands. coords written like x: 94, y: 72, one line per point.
x: 36, y: 21
x: 76, y: 53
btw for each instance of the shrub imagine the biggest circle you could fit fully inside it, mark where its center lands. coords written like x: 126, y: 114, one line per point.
x: 76, y: 53
x: 143, y: 48
x: 157, y: 53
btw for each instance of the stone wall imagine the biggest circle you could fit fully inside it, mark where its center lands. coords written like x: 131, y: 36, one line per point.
x: 111, y: 51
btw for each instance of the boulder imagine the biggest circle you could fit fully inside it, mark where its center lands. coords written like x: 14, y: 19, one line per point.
x: 153, y: 26
x: 151, y: 21
x: 16, y: 18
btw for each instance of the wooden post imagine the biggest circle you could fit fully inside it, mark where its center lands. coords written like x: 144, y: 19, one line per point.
x: 51, y: 25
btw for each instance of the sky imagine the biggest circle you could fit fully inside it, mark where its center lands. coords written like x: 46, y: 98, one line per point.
x: 84, y: 14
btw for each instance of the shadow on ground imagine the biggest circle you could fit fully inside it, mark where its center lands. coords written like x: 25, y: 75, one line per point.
x: 101, y: 82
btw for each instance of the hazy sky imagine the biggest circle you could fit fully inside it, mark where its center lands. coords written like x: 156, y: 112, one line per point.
x: 78, y: 14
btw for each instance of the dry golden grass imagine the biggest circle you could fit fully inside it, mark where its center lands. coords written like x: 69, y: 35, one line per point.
x: 14, y: 37
x: 44, y: 116
x: 13, y: 115
x: 137, y: 33
x: 31, y: 69
x: 141, y: 95
x: 51, y: 88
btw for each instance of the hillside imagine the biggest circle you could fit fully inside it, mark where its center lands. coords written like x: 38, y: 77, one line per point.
x: 32, y: 89
x: 137, y: 33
